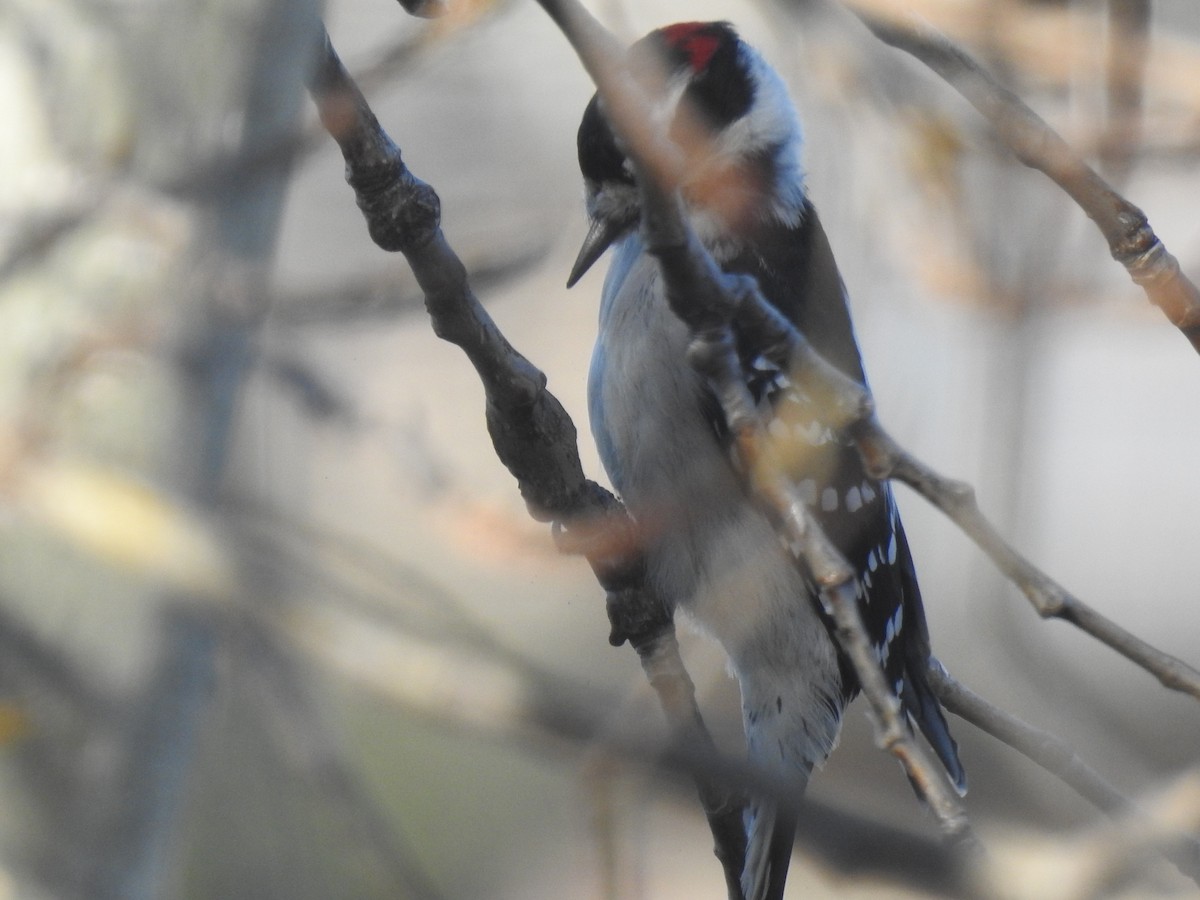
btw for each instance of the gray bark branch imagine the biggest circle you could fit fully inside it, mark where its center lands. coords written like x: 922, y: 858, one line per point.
x: 531, y: 433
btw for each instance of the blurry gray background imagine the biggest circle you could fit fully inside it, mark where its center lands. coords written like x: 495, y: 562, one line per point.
x: 1003, y: 346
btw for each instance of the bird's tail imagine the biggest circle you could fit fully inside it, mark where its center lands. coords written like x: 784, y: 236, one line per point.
x: 771, y: 831
x: 917, y: 696
x: 926, y: 711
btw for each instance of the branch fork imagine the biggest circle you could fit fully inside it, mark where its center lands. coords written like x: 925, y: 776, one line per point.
x: 535, y: 439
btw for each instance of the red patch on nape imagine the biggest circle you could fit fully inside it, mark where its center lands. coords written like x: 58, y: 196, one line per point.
x: 696, y: 39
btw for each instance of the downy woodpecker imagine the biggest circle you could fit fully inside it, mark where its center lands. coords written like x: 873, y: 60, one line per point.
x: 664, y: 442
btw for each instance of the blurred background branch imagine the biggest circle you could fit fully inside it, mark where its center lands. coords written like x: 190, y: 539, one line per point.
x: 1130, y: 239
x: 216, y: 568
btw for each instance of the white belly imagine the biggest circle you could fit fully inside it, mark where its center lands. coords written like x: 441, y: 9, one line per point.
x: 708, y: 549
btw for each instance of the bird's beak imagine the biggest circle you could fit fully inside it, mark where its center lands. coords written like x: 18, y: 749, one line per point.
x: 602, y: 233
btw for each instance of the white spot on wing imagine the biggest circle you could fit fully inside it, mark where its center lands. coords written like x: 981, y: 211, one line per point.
x: 891, y: 551
x: 868, y: 492
x: 853, y: 500
x: 829, y: 499
x: 892, y: 630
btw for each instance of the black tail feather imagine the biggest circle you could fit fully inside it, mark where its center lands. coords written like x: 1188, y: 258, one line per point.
x: 772, y: 834
x: 926, y: 712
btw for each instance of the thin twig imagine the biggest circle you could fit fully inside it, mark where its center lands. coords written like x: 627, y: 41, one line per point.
x: 443, y: 686
x: 707, y: 301
x: 1052, y: 753
x: 723, y: 806
x: 887, y: 459
x: 1099, y: 860
x: 1130, y: 238
x: 1048, y: 751
x: 531, y: 432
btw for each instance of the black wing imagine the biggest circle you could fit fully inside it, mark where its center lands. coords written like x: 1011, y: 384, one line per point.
x: 857, y: 512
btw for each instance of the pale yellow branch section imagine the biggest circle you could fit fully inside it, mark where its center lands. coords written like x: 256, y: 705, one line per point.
x: 466, y: 690
x: 124, y: 523
x: 1093, y: 863
x: 87, y: 259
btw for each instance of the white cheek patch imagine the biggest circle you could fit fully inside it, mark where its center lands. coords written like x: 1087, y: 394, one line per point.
x: 769, y: 128
x: 771, y: 124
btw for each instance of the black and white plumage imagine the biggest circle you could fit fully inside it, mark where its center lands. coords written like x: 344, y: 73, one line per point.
x: 663, y: 442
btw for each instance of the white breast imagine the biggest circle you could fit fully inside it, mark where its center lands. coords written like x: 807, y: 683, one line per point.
x: 707, y: 543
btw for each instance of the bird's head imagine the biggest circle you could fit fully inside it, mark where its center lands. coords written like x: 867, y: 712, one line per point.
x: 727, y: 112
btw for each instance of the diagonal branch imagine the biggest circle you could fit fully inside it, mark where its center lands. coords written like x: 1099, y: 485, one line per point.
x: 1132, y: 243
x: 1130, y: 238
x: 482, y: 695
x: 532, y: 434
x: 886, y: 458
x: 1051, y: 753
x: 528, y: 429
x: 1101, y: 860
x: 699, y: 302
x: 708, y: 301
